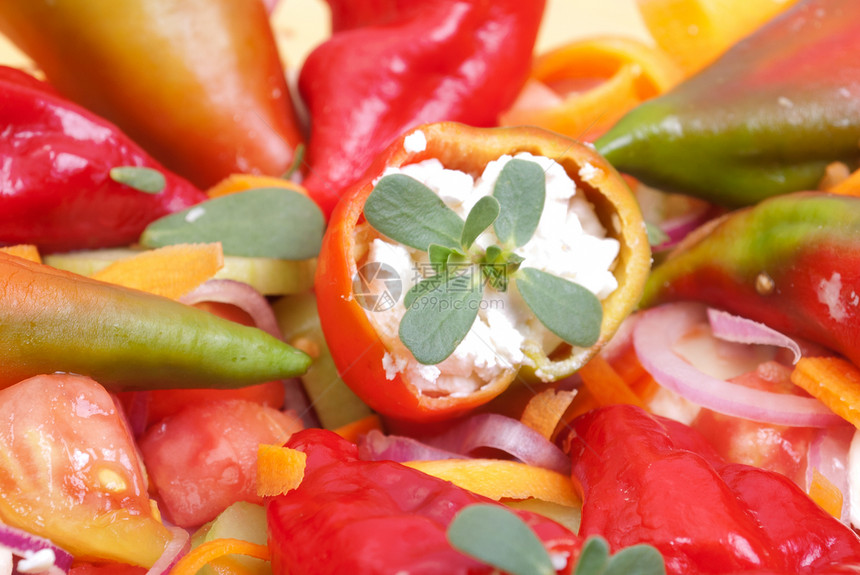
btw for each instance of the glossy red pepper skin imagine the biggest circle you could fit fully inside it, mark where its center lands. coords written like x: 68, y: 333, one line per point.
x: 199, y: 84
x: 390, y: 69
x: 376, y: 518
x: 55, y: 185
x: 790, y: 262
x: 649, y: 480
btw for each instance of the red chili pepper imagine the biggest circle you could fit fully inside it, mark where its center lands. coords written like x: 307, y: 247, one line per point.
x: 379, y: 517
x: 385, y: 71
x: 649, y: 480
x: 55, y: 185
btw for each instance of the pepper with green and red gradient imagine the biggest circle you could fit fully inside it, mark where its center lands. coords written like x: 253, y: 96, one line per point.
x: 764, y: 119
x: 792, y: 262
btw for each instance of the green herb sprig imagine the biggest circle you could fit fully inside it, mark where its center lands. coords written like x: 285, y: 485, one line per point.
x: 499, y: 537
x: 441, y: 309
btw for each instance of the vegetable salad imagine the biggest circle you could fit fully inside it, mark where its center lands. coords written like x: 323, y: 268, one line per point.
x: 429, y: 287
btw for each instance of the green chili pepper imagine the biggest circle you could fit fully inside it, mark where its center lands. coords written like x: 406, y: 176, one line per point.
x: 765, y: 119
x: 792, y: 262
x: 55, y: 321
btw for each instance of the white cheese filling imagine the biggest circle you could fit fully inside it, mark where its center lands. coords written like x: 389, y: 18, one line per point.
x: 570, y: 242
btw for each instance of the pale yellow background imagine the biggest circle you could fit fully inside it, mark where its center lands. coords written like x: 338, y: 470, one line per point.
x: 302, y: 24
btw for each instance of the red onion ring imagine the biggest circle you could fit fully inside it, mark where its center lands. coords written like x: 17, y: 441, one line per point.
x: 24, y: 544
x: 175, y: 549
x: 496, y: 431
x: 738, y: 329
x: 653, y: 338
x: 376, y: 446
x: 240, y: 295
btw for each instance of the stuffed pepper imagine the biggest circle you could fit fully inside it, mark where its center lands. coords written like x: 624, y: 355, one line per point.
x: 467, y: 256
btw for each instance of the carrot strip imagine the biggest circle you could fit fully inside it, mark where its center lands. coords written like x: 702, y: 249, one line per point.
x: 833, y: 381
x: 171, y: 271
x: 26, y: 251
x: 279, y: 469
x: 242, y: 182
x: 826, y: 494
x: 606, y: 385
x: 500, y: 479
x: 352, y: 431
x: 582, y: 88
x: 198, y: 557
x: 544, y: 411
x: 850, y: 186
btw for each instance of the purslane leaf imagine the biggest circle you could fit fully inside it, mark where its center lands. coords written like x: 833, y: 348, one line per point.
x: 594, y: 557
x: 265, y: 222
x: 142, y: 179
x: 521, y: 192
x: 498, y: 537
x: 636, y: 560
x: 422, y: 288
x: 481, y: 216
x: 567, y: 309
x: 436, y: 322
x: 409, y: 212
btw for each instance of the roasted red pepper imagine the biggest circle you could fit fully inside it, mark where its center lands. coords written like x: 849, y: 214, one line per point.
x: 764, y: 119
x: 790, y: 262
x: 55, y: 185
x: 198, y: 84
x: 380, y: 517
x: 390, y: 69
x: 649, y: 480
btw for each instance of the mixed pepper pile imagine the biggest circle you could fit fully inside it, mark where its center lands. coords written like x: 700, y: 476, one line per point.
x: 231, y: 421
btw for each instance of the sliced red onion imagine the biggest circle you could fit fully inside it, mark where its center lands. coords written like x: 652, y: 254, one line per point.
x: 677, y: 228
x: 176, y: 548
x: 240, y: 295
x: 828, y: 453
x: 35, y: 550
x: 654, y: 337
x: 496, y: 431
x: 376, y: 446
x: 738, y: 329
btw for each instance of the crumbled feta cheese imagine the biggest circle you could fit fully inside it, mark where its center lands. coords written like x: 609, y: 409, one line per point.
x: 589, y: 172
x: 415, y: 142
x: 570, y: 242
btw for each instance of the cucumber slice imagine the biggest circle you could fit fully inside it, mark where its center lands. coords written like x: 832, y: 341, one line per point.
x: 267, y: 275
x: 242, y: 520
x: 334, y: 403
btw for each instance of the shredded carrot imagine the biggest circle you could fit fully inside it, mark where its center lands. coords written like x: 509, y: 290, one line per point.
x: 582, y: 88
x: 352, y: 431
x: 606, y: 385
x: 242, y: 182
x: 826, y: 494
x: 850, y: 186
x: 171, y: 271
x: 582, y: 403
x: 833, y: 381
x: 544, y: 411
x: 500, y: 479
x: 26, y: 251
x: 198, y: 557
x: 279, y: 469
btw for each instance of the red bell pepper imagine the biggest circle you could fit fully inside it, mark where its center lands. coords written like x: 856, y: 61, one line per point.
x: 385, y: 71
x: 199, y: 84
x: 648, y: 480
x: 377, y: 517
x: 55, y: 162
